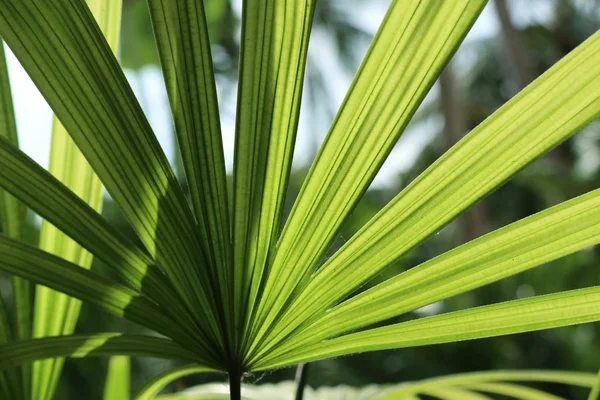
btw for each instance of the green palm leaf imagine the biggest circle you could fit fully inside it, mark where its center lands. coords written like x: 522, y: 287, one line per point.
x: 595, y: 392
x: 155, y: 385
x: 273, y: 61
x: 22, y: 260
x: 535, y: 313
x: 234, y: 294
x: 386, y: 92
x: 56, y: 203
x: 89, y: 94
x: 456, y: 394
x: 117, y: 378
x: 543, y: 237
x: 498, y: 382
x: 98, y: 344
x: 184, y: 48
x: 54, y: 312
x: 12, y: 216
x: 514, y: 391
x: 558, y: 104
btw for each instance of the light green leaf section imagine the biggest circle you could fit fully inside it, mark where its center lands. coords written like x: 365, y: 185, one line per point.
x: 581, y: 379
x: 414, y: 42
x: 155, y: 385
x: 65, y: 53
x: 98, y: 344
x: 456, y: 394
x: 12, y: 216
x: 595, y: 392
x: 494, y: 380
x: 184, y: 48
x: 543, y: 237
x: 117, y: 379
x: 534, y: 313
x: 555, y: 106
x: 513, y: 391
x: 275, y: 36
x: 55, y: 313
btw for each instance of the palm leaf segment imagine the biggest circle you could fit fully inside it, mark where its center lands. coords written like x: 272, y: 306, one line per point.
x: 226, y: 288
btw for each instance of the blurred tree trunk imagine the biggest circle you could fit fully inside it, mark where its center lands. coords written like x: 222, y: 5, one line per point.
x: 474, y: 222
x: 520, y: 63
x: 523, y: 71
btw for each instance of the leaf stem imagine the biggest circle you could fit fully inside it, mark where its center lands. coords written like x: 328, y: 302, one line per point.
x: 235, y: 385
x: 301, y: 379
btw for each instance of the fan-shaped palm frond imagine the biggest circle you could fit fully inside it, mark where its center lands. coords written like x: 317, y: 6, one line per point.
x: 227, y: 288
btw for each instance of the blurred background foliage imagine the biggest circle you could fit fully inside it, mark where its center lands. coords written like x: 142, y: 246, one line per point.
x: 483, y: 75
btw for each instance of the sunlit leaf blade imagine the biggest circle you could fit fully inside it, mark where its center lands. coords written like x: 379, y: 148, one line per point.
x: 12, y: 216
x: 155, y: 385
x: 595, y: 392
x: 547, y: 112
x: 33, y: 185
x: 56, y: 313
x: 513, y: 391
x: 412, y: 45
x: 543, y: 237
x: 456, y: 394
x: 184, y: 48
x: 98, y: 344
x: 534, y: 313
x: 275, y: 37
x: 64, y: 52
x: 46, y: 269
x: 496, y: 378
x: 117, y: 378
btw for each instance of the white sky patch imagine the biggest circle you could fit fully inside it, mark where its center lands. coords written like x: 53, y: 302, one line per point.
x: 33, y: 115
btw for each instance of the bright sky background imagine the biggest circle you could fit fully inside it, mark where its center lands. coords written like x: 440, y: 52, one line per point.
x: 34, y: 116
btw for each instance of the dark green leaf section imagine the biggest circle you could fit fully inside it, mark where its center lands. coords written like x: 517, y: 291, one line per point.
x: 94, y: 345
x: 274, y: 45
x: 34, y: 186
x: 63, y: 50
x: 184, y: 48
x: 12, y: 216
x: 44, y: 268
x: 55, y: 313
x: 11, y: 379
